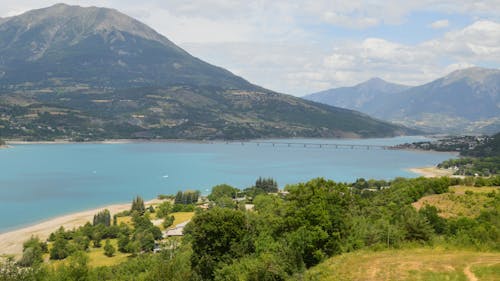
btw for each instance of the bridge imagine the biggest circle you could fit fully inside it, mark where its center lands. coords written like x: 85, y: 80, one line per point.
x: 314, y: 145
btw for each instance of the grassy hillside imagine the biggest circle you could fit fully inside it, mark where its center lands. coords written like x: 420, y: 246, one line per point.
x: 424, y: 264
x: 179, y: 112
x: 461, y: 201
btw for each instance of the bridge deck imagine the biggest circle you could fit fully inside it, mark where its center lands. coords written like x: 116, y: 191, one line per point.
x: 314, y: 145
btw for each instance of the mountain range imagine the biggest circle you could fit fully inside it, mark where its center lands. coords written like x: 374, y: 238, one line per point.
x: 464, y: 101
x: 93, y: 73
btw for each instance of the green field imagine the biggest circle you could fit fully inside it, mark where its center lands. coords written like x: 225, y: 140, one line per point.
x: 461, y: 201
x: 422, y: 264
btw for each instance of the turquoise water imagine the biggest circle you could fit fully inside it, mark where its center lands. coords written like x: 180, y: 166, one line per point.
x: 39, y: 181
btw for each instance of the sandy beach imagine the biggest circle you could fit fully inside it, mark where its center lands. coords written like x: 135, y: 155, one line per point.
x: 431, y: 172
x: 11, y: 243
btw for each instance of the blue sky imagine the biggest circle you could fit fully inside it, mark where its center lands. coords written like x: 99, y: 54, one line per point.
x: 299, y: 47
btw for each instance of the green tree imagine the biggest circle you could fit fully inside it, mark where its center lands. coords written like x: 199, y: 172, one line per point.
x: 164, y: 209
x: 138, y: 205
x: 60, y: 248
x: 102, y: 217
x: 168, y: 221
x: 109, y: 250
x: 267, y: 185
x: 215, y: 236
x: 33, y: 250
x: 123, y: 241
x: 223, y: 190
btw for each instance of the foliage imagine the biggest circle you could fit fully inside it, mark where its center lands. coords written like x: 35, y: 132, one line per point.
x: 164, y: 209
x: 216, y: 237
x: 33, y: 250
x: 267, y: 185
x: 285, y: 234
x: 485, y: 166
x: 489, y: 149
x: 223, y: 190
x: 60, y: 249
x: 109, y: 250
x: 187, y: 197
x: 183, y: 208
x: 138, y: 205
x: 102, y: 217
x: 168, y: 221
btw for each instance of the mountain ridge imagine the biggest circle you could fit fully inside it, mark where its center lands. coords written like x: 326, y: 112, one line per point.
x: 78, y: 73
x: 442, y: 105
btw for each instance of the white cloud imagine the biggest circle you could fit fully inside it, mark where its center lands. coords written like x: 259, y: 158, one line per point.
x: 292, y: 47
x: 440, y: 24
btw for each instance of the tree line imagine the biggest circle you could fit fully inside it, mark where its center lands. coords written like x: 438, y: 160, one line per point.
x: 287, y: 233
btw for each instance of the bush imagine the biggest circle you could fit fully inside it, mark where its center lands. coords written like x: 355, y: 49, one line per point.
x: 109, y: 250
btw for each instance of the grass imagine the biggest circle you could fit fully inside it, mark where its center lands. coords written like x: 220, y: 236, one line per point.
x: 460, y: 201
x: 98, y: 258
x: 423, y: 264
x: 487, y: 272
x: 181, y: 217
x: 96, y: 255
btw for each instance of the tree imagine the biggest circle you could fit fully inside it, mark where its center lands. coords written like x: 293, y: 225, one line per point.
x: 168, y: 221
x: 164, y: 209
x: 267, y: 185
x: 33, y: 250
x: 109, y: 250
x: 222, y: 190
x: 123, y: 241
x: 138, y: 205
x: 60, y: 249
x: 102, y: 217
x: 215, y: 236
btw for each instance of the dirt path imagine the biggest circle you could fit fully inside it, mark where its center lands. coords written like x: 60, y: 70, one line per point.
x: 469, y: 274
x: 485, y: 262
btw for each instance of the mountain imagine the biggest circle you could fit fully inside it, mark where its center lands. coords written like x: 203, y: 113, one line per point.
x: 97, y: 47
x: 465, y: 101
x: 93, y: 73
x: 368, y: 96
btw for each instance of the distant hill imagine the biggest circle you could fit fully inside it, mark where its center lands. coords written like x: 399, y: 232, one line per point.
x: 465, y: 101
x: 369, y: 96
x: 490, y: 149
x: 92, y: 73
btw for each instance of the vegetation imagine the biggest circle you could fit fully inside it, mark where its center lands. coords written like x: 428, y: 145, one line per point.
x: 486, y: 166
x: 187, y: 197
x: 413, y: 264
x: 103, y: 217
x: 223, y: 191
x: 109, y: 250
x: 483, y: 160
x: 491, y: 148
x: 138, y: 205
x: 461, y: 201
x: 287, y: 234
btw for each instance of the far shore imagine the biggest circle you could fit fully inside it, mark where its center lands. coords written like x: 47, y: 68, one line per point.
x: 432, y: 172
x: 11, y: 243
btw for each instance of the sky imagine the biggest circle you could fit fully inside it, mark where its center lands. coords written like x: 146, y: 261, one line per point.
x: 300, y: 47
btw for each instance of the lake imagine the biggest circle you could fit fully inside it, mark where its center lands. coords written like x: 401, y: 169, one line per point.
x: 40, y: 181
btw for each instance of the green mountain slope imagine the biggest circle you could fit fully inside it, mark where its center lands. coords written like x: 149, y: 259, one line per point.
x: 91, y: 73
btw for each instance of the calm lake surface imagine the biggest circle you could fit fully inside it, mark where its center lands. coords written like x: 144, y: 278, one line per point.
x: 40, y: 181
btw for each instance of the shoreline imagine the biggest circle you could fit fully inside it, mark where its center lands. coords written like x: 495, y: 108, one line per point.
x: 120, y: 141
x: 431, y: 172
x: 11, y: 242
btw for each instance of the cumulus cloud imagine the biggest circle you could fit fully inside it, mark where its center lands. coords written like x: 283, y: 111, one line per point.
x: 440, y: 24
x: 292, y: 47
